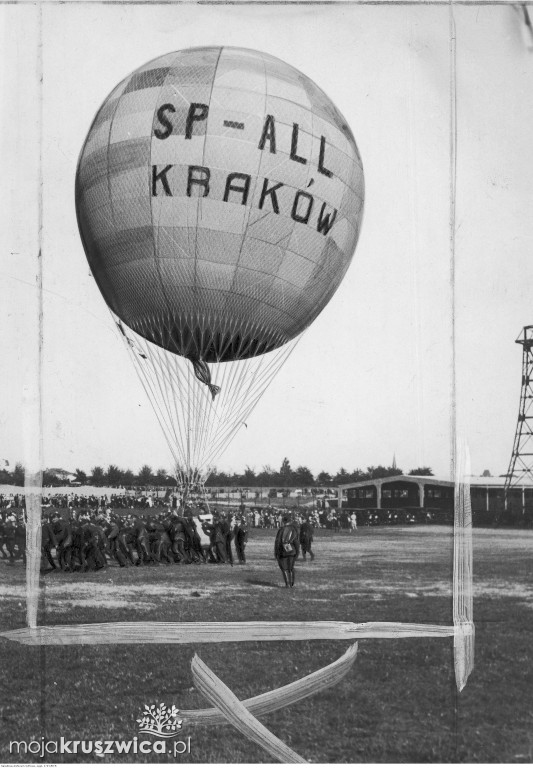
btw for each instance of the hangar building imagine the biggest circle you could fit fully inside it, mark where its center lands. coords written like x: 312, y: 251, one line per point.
x: 428, y: 496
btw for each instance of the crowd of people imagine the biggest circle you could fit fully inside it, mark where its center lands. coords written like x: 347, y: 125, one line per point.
x: 81, y: 533
x: 89, y: 540
x: 81, y: 501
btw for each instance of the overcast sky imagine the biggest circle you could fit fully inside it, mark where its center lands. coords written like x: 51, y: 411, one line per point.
x: 372, y: 377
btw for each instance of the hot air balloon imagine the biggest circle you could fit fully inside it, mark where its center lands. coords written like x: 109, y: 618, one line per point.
x: 219, y: 196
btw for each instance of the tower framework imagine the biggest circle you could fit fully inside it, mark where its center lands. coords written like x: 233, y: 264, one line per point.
x: 521, y: 464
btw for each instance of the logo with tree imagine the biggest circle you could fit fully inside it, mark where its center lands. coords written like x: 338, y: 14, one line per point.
x: 160, y: 720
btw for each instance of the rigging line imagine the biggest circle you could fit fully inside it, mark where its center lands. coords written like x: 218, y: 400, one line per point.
x: 207, y: 413
x: 258, y: 381
x: 261, y: 363
x: 248, y: 375
x: 267, y: 375
x: 206, y: 417
x: 192, y: 392
x: 146, y: 386
x: 219, y: 408
x: 163, y: 377
x: 216, y: 424
x: 188, y: 420
x: 156, y: 378
x: 228, y: 375
x: 176, y: 400
x: 199, y: 391
x: 164, y: 358
x: 248, y: 407
x: 158, y: 361
x: 247, y: 378
x: 260, y: 371
x: 240, y: 373
x: 182, y: 405
x: 183, y: 400
x: 216, y: 409
x: 159, y: 374
x: 236, y: 373
x: 181, y: 394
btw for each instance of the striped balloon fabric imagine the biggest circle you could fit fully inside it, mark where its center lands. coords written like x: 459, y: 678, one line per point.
x: 219, y: 196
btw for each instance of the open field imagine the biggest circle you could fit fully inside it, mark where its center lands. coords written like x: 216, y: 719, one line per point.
x: 398, y: 704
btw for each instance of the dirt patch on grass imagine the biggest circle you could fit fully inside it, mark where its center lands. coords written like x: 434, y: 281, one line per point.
x: 59, y: 596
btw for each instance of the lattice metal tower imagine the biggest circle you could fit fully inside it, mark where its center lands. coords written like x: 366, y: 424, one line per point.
x: 521, y: 464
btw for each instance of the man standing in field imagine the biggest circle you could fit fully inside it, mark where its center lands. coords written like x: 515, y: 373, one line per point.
x: 240, y: 533
x: 287, y: 548
x: 306, y: 539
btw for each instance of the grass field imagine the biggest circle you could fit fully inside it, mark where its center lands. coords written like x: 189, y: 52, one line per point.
x: 398, y: 703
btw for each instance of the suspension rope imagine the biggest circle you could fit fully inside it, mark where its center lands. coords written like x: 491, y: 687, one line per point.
x: 198, y: 428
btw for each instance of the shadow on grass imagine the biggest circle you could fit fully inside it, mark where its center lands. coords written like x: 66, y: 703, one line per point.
x: 262, y: 583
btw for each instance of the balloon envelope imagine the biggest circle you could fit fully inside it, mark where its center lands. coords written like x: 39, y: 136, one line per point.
x: 219, y: 196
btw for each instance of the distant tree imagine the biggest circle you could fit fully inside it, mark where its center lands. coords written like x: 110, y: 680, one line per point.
x: 324, y: 478
x: 5, y: 477
x: 303, y: 476
x: 235, y: 480
x: 128, y: 478
x: 486, y: 473
x: 266, y: 476
x: 161, y: 477
x: 249, y: 477
x: 374, y: 473
x: 113, y: 475
x: 18, y: 474
x: 358, y: 475
x: 50, y: 478
x: 97, y: 476
x: 422, y: 471
x: 217, y: 478
x: 212, y: 478
x: 145, y: 476
x: 342, y: 476
x: 81, y: 476
x: 285, y: 472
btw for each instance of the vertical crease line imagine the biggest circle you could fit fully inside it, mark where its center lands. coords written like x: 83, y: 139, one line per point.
x: 453, y: 186
x: 462, y: 542
x: 34, y: 435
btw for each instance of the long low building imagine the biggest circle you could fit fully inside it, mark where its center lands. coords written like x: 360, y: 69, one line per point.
x: 431, y: 493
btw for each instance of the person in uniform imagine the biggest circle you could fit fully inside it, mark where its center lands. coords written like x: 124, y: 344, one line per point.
x: 306, y: 539
x: 227, y: 533
x: 287, y: 548
x: 178, y: 536
x: 240, y: 533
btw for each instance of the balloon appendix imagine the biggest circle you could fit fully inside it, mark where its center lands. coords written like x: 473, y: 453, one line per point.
x: 219, y: 196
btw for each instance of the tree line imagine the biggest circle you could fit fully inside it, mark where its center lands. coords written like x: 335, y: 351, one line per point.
x: 284, y: 477
x: 302, y: 476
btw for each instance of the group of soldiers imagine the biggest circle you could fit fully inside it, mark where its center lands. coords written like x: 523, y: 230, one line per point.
x: 90, y: 541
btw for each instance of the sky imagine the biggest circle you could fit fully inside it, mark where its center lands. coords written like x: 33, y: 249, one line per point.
x: 414, y: 350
